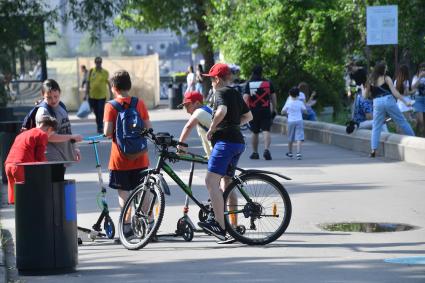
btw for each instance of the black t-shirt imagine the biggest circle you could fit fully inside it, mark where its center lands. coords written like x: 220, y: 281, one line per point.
x: 259, y: 92
x: 359, y: 76
x: 229, y: 128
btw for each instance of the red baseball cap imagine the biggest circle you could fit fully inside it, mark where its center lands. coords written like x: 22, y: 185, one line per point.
x: 218, y: 70
x: 192, y: 96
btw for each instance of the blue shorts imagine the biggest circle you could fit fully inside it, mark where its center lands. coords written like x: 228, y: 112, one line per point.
x: 126, y: 180
x: 224, y: 158
x: 419, y: 105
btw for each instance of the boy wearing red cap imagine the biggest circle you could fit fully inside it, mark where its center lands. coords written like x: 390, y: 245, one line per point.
x: 201, y: 116
x: 230, y: 111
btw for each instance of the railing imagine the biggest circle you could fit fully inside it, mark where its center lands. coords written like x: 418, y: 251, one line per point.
x: 24, y: 92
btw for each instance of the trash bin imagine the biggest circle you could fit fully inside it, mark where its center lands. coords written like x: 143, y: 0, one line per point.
x: 175, y: 95
x: 45, y: 220
x: 8, y: 132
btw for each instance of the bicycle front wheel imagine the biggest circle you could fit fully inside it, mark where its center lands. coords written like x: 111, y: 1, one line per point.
x: 257, y: 209
x: 141, y: 215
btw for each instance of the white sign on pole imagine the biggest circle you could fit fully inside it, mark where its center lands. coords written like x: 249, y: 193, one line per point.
x: 382, y: 25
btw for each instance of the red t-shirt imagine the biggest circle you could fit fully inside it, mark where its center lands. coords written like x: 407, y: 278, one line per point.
x: 29, y: 146
x: 118, y: 160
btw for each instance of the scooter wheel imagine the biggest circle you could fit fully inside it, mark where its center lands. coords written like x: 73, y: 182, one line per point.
x: 188, y: 233
x: 109, y: 227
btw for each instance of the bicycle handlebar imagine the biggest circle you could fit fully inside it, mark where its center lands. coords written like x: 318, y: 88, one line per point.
x: 163, y: 139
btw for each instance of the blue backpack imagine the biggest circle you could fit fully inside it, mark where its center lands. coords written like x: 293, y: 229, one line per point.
x: 128, y: 129
x: 29, y: 120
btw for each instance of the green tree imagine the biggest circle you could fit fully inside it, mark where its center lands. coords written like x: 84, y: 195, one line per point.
x: 293, y: 40
x: 120, y: 46
x: 188, y: 16
x: 89, y: 47
x: 21, y: 29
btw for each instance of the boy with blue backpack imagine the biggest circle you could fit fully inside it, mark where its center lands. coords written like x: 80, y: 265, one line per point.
x: 124, y: 119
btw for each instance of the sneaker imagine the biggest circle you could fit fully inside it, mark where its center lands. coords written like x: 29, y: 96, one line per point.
x: 229, y: 240
x: 267, y: 155
x: 254, y: 155
x: 289, y: 154
x: 299, y: 156
x: 128, y: 231
x: 213, y: 228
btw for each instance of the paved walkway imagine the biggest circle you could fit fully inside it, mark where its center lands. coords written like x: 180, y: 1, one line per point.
x: 329, y: 185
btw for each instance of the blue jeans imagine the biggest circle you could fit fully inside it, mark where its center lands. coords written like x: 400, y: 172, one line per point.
x: 381, y: 107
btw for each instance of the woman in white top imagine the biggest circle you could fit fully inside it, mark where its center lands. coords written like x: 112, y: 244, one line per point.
x: 402, y: 85
x: 418, y: 86
x: 190, y: 79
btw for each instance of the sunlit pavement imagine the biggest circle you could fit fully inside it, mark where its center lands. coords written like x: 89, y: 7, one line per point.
x: 329, y: 185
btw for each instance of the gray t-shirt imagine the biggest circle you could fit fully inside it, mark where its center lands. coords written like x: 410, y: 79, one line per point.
x: 58, y: 151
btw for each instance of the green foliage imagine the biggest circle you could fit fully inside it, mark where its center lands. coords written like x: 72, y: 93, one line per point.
x: 61, y: 49
x: 309, y: 40
x: 88, y: 47
x: 21, y: 30
x: 180, y: 16
x: 120, y: 46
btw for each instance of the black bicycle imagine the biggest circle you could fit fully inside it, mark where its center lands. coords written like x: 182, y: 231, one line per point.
x: 257, y: 207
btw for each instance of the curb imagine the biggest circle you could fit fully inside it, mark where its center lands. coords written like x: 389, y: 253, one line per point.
x: 3, y: 269
x: 391, y: 146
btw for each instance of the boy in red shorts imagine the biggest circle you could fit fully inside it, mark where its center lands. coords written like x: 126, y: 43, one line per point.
x: 29, y: 146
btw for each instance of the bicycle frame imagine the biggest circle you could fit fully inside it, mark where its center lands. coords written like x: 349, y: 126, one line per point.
x: 163, y: 165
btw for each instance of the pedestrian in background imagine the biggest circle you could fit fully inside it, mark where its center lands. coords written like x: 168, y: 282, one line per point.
x: 402, y: 85
x: 98, y: 90
x: 85, y: 77
x: 199, y: 79
x: 260, y: 97
x: 418, y: 85
x: 380, y: 87
x: 294, y: 108
x: 190, y: 79
x: 310, y: 99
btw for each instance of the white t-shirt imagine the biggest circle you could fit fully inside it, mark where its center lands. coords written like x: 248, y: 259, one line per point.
x: 204, y: 122
x: 190, y: 79
x: 400, y: 104
x: 295, y: 108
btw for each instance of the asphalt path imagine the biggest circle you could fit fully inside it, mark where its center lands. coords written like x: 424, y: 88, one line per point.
x: 328, y: 185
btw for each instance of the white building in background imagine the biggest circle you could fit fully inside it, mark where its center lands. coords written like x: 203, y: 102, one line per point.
x: 142, y: 43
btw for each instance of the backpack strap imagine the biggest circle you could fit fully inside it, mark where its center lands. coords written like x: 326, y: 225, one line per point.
x: 207, y: 109
x: 47, y: 106
x: 133, y: 102
x: 116, y: 105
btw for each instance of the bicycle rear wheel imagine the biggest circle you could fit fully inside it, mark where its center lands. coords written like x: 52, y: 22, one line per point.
x: 142, y: 215
x: 257, y: 209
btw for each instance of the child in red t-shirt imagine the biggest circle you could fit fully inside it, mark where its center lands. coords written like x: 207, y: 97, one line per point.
x: 29, y: 146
